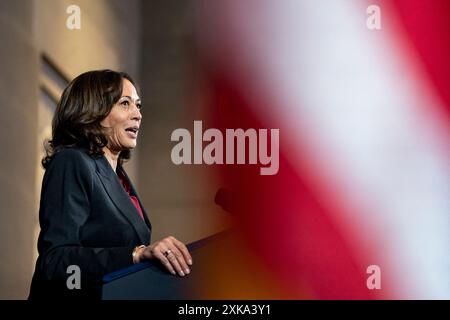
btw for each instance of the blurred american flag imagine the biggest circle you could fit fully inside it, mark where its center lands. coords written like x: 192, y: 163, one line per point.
x: 364, y: 119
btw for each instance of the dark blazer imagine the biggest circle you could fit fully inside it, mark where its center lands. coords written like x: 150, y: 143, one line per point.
x: 87, y: 219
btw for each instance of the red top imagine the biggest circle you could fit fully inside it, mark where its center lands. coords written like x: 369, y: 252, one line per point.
x: 127, y: 188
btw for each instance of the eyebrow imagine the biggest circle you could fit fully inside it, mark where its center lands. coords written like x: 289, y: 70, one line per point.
x: 137, y: 100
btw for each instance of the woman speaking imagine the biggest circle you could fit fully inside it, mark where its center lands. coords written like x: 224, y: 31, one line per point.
x: 90, y: 214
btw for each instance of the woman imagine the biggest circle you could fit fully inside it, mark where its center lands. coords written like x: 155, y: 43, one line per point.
x: 90, y: 214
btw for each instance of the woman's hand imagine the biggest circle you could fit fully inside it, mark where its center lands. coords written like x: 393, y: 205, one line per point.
x: 172, y: 253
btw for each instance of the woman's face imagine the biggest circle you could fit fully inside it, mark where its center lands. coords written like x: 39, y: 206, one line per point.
x: 122, y: 123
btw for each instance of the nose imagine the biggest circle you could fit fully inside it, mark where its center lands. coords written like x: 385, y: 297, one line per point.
x: 136, y: 115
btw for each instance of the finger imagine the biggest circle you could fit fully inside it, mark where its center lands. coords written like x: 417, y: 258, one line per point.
x: 174, y: 262
x: 179, y: 254
x: 165, y: 262
x: 180, y: 245
x: 180, y: 258
x: 166, y: 247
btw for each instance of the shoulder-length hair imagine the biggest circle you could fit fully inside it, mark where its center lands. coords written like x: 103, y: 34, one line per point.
x: 86, y: 101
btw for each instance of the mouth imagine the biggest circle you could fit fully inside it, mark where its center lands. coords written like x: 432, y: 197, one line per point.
x: 132, y: 132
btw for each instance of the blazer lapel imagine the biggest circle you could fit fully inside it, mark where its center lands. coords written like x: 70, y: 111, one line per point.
x: 133, y: 192
x: 121, y: 199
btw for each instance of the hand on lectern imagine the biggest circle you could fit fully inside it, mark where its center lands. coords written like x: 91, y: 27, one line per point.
x: 172, y: 253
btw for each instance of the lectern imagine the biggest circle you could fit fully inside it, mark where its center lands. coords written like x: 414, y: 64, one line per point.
x: 150, y: 280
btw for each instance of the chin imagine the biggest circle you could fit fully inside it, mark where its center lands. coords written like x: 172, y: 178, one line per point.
x: 134, y: 145
x: 131, y: 146
x: 128, y: 144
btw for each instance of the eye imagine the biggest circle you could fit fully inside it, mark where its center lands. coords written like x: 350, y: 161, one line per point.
x: 139, y: 106
x: 125, y: 103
